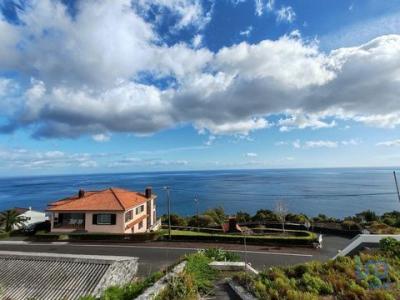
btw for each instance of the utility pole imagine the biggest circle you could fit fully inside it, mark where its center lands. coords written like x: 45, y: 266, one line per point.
x: 167, y: 189
x: 397, y: 186
x: 196, y: 201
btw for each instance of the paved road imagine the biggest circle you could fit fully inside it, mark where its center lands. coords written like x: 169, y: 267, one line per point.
x: 153, y: 256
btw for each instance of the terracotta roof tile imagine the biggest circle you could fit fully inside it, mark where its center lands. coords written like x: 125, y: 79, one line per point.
x: 112, y: 199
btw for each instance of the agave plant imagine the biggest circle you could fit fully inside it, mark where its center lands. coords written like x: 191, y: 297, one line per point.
x: 10, y: 219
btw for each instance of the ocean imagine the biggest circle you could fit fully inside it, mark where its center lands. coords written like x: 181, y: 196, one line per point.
x: 334, y: 192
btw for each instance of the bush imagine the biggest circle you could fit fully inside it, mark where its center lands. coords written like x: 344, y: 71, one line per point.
x: 181, y: 287
x: 217, y: 254
x: 176, y: 220
x: 316, y: 285
x: 242, y: 217
x: 198, y: 266
x: 390, y: 245
x: 202, y: 221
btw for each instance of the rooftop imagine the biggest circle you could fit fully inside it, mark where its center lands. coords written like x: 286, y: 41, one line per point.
x: 112, y: 199
x: 49, y: 276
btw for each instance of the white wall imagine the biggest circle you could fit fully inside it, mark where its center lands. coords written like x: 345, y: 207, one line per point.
x: 33, y: 217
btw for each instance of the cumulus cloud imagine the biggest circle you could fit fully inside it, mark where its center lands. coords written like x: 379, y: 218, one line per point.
x: 92, y: 74
x: 187, y: 12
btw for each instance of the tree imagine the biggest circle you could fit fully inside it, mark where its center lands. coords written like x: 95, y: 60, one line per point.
x: 217, y: 214
x: 203, y: 221
x: 10, y: 219
x: 242, y: 217
x: 263, y: 215
x: 281, y: 211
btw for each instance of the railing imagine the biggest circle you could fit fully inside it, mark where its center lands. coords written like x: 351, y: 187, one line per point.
x: 70, y: 225
x: 364, y: 239
x: 156, y: 225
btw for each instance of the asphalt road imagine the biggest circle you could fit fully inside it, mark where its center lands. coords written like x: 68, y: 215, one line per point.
x: 154, y: 256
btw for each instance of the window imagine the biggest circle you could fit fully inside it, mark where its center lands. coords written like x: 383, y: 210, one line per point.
x: 129, y: 216
x: 141, y: 225
x: 104, y: 219
x: 139, y: 209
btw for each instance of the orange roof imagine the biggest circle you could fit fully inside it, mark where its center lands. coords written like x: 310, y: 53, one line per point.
x: 112, y: 199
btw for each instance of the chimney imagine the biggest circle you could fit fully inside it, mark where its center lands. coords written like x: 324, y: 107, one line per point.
x: 147, y: 192
x: 81, y: 193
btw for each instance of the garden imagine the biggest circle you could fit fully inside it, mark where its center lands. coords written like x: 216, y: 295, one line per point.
x: 369, y: 275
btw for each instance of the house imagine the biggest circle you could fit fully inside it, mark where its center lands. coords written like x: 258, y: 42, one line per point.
x: 113, y: 210
x: 30, y: 216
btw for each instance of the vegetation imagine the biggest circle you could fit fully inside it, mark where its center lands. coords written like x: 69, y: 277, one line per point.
x: 198, y: 277
x: 372, y: 275
x: 128, y: 291
x: 291, y: 237
x: 10, y: 219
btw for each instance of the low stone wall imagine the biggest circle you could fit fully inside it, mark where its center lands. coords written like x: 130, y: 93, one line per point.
x: 232, y: 266
x: 240, y: 291
x: 153, y: 291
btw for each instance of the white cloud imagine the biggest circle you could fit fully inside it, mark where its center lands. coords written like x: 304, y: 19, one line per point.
x: 297, y: 144
x: 241, y: 127
x: 211, y: 139
x: 261, y: 5
x: 393, y: 143
x: 285, y: 14
x: 197, y: 41
x: 301, y: 121
x: 320, y: 144
x: 251, y: 154
x: 247, y: 31
x: 101, y: 137
x: 106, y: 88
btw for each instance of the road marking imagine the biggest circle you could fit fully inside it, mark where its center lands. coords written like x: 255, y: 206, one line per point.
x: 151, y: 247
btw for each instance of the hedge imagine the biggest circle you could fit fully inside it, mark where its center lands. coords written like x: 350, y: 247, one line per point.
x: 239, y: 239
x: 76, y: 237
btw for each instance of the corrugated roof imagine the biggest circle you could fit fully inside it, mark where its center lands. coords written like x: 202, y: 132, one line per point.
x: 112, y: 199
x: 55, y: 276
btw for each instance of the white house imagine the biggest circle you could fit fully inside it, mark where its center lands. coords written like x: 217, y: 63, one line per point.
x: 31, y: 216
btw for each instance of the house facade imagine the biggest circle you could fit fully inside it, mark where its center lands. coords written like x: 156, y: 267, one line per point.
x: 113, y: 210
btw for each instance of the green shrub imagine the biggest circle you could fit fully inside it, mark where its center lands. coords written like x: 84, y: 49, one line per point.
x: 217, y: 254
x: 198, y: 266
x: 316, y: 285
x: 390, y: 246
x: 181, y: 287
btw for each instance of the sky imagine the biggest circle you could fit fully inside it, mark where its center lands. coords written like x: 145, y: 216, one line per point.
x: 154, y: 85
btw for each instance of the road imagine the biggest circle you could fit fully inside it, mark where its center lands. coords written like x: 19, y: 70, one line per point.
x: 155, y: 255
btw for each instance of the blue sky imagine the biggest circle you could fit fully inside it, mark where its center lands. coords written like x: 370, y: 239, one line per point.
x: 149, y: 85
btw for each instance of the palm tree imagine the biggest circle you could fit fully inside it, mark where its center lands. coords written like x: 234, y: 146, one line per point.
x: 10, y: 218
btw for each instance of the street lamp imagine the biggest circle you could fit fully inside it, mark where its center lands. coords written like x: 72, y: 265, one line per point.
x: 167, y: 190
x: 196, y: 201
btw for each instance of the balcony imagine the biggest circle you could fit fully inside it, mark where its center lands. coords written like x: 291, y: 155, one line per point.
x: 72, y: 221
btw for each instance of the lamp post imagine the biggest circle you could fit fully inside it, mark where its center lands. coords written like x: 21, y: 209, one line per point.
x: 196, y: 201
x: 167, y: 190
